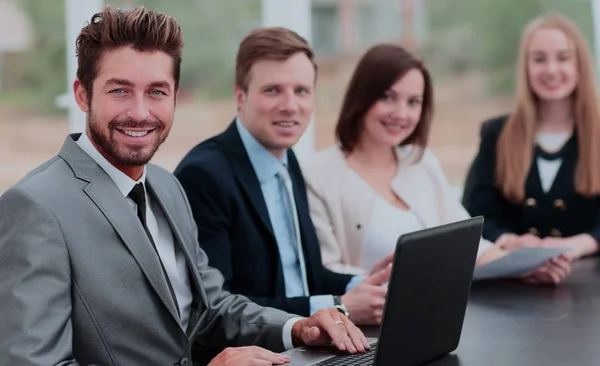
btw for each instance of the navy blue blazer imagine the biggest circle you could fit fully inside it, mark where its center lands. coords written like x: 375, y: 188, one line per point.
x: 234, y: 227
x: 560, y: 212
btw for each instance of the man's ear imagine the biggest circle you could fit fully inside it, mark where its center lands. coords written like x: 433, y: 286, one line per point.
x: 81, y: 96
x: 240, y: 96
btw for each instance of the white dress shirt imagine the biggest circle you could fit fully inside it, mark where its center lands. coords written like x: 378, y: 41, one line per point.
x: 170, y: 254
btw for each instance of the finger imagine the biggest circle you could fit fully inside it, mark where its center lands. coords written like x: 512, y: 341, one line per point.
x: 379, y: 278
x: 559, y: 273
x: 350, y: 347
x: 361, y: 335
x: 554, y: 278
x: 258, y: 362
x: 333, y: 331
x: 535, y: 277
x: 561, y: 266
x: 545, y: 278
x: 564, y: 263
x: 356, y: 336
x: 343, y: 334
x: 389, y: 258
x: 314, y: 336
x: 379, y: 304
x: 562, y: 269
x: 263, y: 354
x: 379, y: 291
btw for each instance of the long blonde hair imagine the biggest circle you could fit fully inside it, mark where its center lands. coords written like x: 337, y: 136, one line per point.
x: 514, y: 150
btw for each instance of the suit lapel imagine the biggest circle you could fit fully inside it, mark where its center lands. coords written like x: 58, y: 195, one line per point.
x: 106, y: 196
x: 245, y: 174
x: 162, y: 197
x: 303, y: 213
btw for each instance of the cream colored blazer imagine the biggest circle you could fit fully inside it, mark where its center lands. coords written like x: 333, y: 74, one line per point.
x: 340, y: 208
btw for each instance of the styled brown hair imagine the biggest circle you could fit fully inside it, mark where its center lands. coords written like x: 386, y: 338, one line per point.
x: 376, y: 72
x: 514, y: 150
x: 142, y: 29
x: 270, y: 43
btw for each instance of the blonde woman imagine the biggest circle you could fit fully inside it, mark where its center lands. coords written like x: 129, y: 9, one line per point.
x: 536, y: 178
x: 381, y: 181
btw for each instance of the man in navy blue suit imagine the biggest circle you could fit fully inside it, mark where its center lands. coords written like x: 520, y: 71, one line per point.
x: 248, y: 196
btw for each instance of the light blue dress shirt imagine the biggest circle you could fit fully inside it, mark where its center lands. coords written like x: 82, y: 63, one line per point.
x: 266, y: 166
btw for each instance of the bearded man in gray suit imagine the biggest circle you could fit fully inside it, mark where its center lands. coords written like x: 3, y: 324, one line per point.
x: 99, y: 259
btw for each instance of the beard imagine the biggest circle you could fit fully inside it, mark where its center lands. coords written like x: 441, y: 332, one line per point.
x: 121, y: 153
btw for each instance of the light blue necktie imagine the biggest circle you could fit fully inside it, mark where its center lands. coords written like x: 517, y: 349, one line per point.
x: 285, y: 180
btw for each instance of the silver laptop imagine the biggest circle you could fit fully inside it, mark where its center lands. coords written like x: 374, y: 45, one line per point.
x: 425, y: 304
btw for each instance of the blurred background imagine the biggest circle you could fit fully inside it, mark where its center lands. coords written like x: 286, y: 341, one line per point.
x: 469, y: 45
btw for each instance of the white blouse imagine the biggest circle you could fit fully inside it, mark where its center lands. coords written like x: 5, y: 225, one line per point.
x: 385, y: 227
x: 386, y: 224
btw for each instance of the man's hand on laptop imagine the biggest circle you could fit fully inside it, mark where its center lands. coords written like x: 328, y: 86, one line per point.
x: 365, y: 302
x: 248, y: 356
x: 329, y: 326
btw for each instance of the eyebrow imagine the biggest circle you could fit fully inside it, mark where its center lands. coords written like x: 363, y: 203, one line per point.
x: 390, y: 90
x: 125, y: 82
x: 542, y: 52
x: 122, y: 82
x: 278, y: 85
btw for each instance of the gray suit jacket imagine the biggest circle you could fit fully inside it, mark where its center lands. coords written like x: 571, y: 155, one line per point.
x: 81, y: 284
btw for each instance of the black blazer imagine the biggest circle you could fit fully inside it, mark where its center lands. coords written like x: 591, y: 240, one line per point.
x: 234, y: 227
x: 560, y: 212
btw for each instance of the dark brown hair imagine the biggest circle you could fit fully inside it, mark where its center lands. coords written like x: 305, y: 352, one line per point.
x: 142, y: 29
x: 376, y: 72
x: 271, y: 43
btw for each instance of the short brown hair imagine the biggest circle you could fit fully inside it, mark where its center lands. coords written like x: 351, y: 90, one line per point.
x: 376, y: 72
x: 142, y: 29
x: 270, y: 43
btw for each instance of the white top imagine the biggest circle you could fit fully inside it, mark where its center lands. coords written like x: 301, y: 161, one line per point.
x: 548, y: 169
x: 387, y: 223
x: 171, y: 256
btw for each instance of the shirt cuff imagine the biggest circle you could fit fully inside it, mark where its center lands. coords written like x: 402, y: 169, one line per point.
x: 354, y: 281
x: 320, y: 302
x: 288, y: 343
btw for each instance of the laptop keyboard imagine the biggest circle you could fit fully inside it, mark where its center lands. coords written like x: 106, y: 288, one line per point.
x: 357, y: 359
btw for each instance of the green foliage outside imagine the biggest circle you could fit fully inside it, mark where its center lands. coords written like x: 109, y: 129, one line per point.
x: 463, y: 35
x: 212, y: 30
x: 484, y: 35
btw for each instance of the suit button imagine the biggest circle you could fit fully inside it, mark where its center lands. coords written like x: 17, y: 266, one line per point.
x: 183, y: 361
x: 530, y: 202
x: 533, y: 231
x: 358, y: 226
x: 555, y: 232
x: 560, y: 205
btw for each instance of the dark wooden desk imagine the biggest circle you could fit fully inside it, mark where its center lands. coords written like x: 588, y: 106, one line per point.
x: 513, y: 324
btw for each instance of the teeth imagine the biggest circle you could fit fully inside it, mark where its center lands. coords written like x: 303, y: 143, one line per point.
x: 393, y: 126
x: 136, y: 133
x: 285, y: 123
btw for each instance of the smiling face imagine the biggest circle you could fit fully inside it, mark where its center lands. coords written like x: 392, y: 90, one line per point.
x: 551, y: 65
x: 279, y: 101
x: 394, y: 117
x: 132, y: 106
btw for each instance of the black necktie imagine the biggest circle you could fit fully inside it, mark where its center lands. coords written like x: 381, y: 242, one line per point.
x: 138, y: 195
